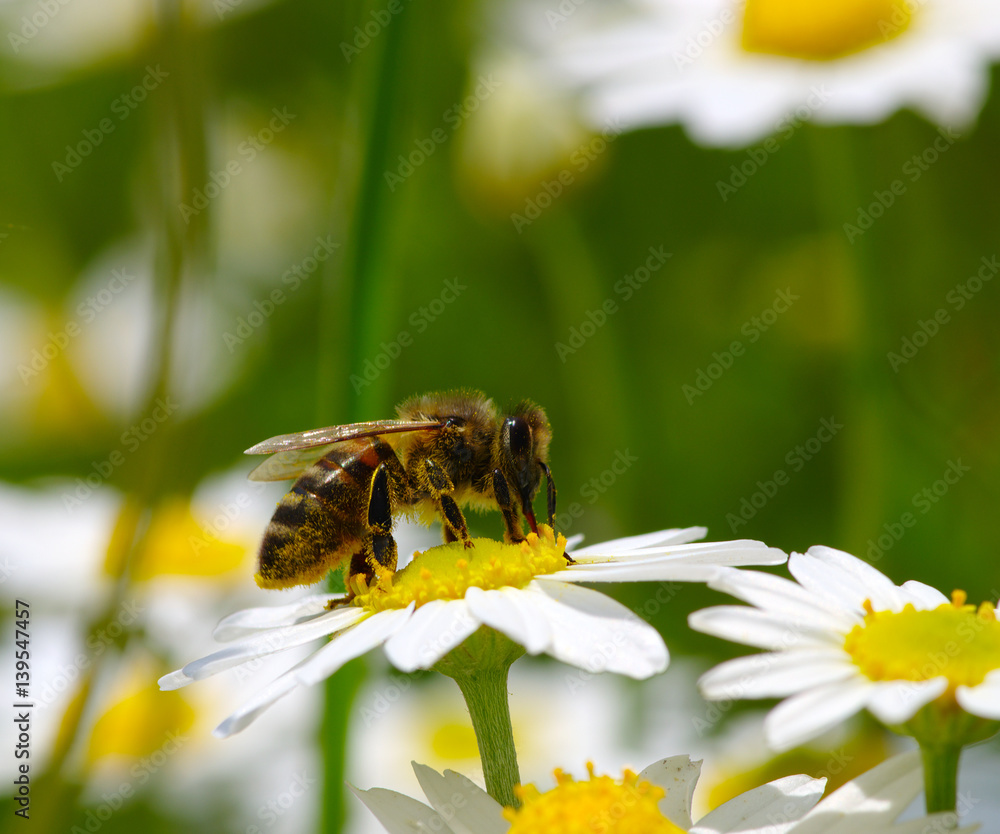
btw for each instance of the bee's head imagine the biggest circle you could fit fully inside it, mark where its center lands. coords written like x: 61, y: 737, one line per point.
x: 521, y: 452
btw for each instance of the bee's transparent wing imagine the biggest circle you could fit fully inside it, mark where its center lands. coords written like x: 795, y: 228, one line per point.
x: 283, y: 466
x: 293, y: 454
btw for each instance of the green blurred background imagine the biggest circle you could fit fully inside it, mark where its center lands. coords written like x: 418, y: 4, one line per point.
x: 203, y: 335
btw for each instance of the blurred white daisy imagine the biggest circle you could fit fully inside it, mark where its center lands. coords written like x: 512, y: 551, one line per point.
x: 658, y: 801
x: 844, y: 638
x: 527, y: 592
x: 733, y: 72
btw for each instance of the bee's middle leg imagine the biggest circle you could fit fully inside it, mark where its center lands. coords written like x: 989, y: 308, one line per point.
x: 441, y: 486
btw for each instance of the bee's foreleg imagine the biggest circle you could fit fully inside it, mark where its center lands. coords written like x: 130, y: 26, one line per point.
x: 441, y: 486
x: 511, y: 521
x: 384, y: 551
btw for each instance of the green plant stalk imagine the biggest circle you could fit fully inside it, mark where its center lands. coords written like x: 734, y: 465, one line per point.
x: 485, y: 693
x: 941, y: 777
x: 479, y: 666
x: 374, y: 100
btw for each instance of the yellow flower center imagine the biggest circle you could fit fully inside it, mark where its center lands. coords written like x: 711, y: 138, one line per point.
x: 449, y: 570
x: 600, y: 804
x: 955, y: 640
x: 823, y: 29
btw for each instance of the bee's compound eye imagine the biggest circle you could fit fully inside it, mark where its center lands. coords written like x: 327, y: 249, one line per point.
x: 518, y: 436
x: 454, y: 423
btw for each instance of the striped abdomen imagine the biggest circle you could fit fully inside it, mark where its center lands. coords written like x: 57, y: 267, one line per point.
x: 323, y: 520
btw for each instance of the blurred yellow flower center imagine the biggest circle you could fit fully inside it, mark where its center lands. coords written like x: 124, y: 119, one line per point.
x: 822, y: 30
x: 452, y: 740
x: 600, y: 804
x: 954, y: 640
x: 449, y: 570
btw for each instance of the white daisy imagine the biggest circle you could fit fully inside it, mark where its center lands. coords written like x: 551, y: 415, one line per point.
x: 735, y: 72
x: 658, y: 801
x: 844, y: 638
x: 446, y: 594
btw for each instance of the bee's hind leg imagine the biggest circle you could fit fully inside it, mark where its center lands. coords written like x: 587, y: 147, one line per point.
x: 383, y: 553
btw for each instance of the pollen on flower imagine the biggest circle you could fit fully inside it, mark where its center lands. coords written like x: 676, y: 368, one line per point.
x: 449, y: 570
x: 613, y: 806
x: 957, y: 641
x: 822, y: 30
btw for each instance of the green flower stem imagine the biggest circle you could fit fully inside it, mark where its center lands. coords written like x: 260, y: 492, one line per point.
x: 479, y: 666
x: 941, y: 777
x: 485, y: 694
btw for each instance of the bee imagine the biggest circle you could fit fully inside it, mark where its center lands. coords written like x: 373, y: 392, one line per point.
x: 446, y: 450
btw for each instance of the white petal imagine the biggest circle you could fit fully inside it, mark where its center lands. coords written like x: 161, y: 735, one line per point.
x: 923, y: 596
x: 877, y: 586
x: 772, y: 808
x: 250, y: 620
x: 982, y: 700
x: 764, y: 630
x: 400, y: 814
x: 476, y: 813
x: 678, y: 776
x: 776, y: 674
x: 595, y: 633
x: 880, y: 794
x: 175, y: 680
x: 774, y: 593
x: 645, y: 570
x: 735, y: 553
x: 435, y: 629
x: 353, y: 643
x: 894, y: 702
x: 798, y: 719
x: 251, y: 710
x: 272, y: 641
x: 513, y: 614
x: 616, y: 547
x: 828, y: 582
